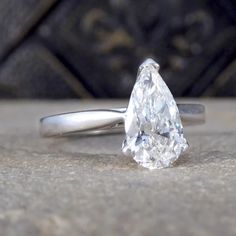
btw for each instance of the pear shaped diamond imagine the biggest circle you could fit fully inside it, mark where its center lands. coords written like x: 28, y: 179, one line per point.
x: 154, y: 132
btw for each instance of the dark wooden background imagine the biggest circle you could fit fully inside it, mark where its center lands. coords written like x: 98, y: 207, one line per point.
x: 88, y: 48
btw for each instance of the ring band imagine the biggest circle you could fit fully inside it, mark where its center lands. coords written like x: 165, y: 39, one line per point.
x: 106, y: 121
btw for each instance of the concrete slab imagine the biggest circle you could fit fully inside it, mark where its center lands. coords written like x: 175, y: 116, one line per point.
x: 85, y: 186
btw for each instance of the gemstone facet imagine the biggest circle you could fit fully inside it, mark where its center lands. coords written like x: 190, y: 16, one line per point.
x: 154, y: 132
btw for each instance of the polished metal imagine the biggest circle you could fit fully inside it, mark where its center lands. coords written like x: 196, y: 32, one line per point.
x: 106, y: 121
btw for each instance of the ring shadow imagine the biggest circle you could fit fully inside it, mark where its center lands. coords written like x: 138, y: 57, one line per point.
x: 113, y: 157
x: 191, y: 159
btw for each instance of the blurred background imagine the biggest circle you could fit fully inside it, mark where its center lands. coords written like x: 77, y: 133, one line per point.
x: 87, y: 48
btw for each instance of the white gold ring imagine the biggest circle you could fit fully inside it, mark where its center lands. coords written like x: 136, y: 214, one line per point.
x: 152, y: 122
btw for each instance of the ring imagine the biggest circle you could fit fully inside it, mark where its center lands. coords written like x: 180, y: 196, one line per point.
x: 152, y: 121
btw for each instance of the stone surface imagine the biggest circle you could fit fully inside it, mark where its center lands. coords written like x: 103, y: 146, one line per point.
x: 87, y: 187
x: 154, y: 132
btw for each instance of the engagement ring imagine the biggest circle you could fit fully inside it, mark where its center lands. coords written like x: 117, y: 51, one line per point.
x: 152, y: 121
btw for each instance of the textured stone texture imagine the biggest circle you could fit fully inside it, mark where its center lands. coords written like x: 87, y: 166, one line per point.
x: 85, y: 186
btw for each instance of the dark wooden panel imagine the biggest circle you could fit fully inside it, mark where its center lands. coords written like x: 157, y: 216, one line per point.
x: 33, y: 72
x: 101, y: 44
x: 17, y: 18
x: 105, y: 41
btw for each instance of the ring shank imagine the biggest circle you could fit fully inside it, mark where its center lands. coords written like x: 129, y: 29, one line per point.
x: 106, y: 121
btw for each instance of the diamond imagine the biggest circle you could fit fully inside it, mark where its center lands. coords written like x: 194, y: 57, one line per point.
x: 154, y: 132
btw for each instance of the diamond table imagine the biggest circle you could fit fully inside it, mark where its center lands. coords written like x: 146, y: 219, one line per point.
x: 85, y: 186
